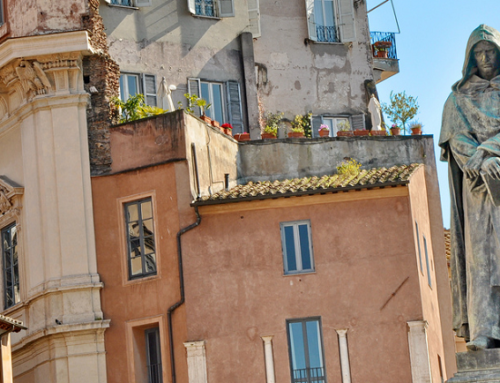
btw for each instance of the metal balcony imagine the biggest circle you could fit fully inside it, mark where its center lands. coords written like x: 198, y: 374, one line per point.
x: 385, y: 62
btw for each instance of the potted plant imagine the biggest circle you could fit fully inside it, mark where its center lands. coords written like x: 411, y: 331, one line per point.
x: 324, y: 130
x: 228, y: 129
x: 401, y: 109
x: 382, y: 48
x: 361, y: 132
x: 304, y: 122
x: 416, y: 128
x: 395, y: 130
x: 194, y: 100
x: 381, y: 132
x: 297, y: 132
x: 344, y: 129
x: 270, y: 132
x: 240, y: 137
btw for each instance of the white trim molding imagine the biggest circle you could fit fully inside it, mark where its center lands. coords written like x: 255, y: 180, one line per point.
x: 344, y: 356
x: 419, y: 353
x: 197, y: 361
x: 268, y: 356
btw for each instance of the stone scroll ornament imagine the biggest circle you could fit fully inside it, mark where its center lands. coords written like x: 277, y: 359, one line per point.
x: 470, y: 143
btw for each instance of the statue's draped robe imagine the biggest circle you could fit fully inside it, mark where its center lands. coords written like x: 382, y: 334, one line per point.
x: 471, y: 122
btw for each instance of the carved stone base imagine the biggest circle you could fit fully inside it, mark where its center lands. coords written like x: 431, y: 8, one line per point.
x: 478, y: 366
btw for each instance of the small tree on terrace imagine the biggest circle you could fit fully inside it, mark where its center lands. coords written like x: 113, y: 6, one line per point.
x: 401, y: 109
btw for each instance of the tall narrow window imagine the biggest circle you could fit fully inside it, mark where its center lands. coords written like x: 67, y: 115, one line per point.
x: 429, y: 280
x: 153, y: 353
x: 133, y: 83
x: 212, y: 92
x: 324, y: 14
x: 297, y: 247
x: 419, y: 251
x: 129, y: 86
x: 140, y: 238
x: 10, y: 266
x: 2, y: 20
x: 306, y: 351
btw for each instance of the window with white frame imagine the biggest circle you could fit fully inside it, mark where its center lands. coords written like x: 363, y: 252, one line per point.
x: 10, y: 261
x: 130, y: 3
x: 141, y: 249
x: 330, y: 21
x: 211, y: 8
x: 297, y: 247
x: 134, y: 83
x: 225, y: 99
x: 306, y: 351
x: 334, y: 123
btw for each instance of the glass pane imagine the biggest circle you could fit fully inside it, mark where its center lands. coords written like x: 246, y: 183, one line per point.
x: 133, y: 212
x: 133, y: 230
x: 146, y: 209
x: 148, y: 227
x: 135, y: 247
x: 150, y: 261
x: 329, y: 13
x: 304, y: 247
x: 152, y: 347
x: 122, y: 87
x: 132, y: 85
x: 136, y: 266
x: 17, y: 297
x: 297, y: 346
x: 217, y: 103
x: 149, y: 245
x: 205, y: 94
x: 318, y: 12
x: 314, y: 344
x: 290, y: 249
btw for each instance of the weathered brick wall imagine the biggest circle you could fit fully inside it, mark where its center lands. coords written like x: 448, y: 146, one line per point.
x: 103, y: 73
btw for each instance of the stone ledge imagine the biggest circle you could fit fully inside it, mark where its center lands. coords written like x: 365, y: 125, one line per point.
x: 479, y: 360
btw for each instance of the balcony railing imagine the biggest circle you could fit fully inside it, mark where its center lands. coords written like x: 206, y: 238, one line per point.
x: 154, y: 373
x: 389, y: 37
x: 326, y: 34
x: 309, y: 375
x: 127, y: 3
x: 205, y: 8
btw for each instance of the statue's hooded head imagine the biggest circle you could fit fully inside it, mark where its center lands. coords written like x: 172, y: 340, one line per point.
x: 481, y: 33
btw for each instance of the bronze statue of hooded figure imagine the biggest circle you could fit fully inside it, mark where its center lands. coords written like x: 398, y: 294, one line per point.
x: 470, y: 142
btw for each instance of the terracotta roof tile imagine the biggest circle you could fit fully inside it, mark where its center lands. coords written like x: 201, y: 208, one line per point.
x: 367, y: 178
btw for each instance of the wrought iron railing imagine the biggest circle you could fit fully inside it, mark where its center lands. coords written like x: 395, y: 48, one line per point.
x: 154, y: 373
x: 205, y: 8
x: 127, y: 3
x: 309, y: 375
x: 389, y: 37
x: 327, y: 34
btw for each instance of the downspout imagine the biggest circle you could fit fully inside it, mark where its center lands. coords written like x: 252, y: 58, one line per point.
x: 181, y: 272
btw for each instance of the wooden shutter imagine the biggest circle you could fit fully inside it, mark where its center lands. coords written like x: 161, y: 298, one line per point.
x: 194, y: 87
x: 191, y: 6
x: 347, y: 24
x: 143, y: 3
x: 311, y: 23
x: 234, y: 106
x: 358, y: 122
x: 149, y: 88
x: 254, y: 18
x: 226, y: 8
x: 316, y: 123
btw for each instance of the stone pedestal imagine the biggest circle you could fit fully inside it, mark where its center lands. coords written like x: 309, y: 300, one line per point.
x: 478, y: 367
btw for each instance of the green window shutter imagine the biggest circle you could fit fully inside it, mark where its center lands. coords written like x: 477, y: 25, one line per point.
x: 191, y: 6
x: 194, y: 88
x: 234, y: 106
x: 347, y: 24
x: 311, y: 23
x: 149, y: 88
x: 226, y: 8
x: 358, y: 122
x: 254, y: 18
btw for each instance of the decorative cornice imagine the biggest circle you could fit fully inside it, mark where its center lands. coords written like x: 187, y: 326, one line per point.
x: 9, y: 190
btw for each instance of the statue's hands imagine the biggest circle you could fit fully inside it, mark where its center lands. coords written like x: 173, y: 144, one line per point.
x: 491, y: 166
x: 473, y: 166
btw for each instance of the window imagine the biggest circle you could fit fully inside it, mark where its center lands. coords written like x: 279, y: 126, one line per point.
x: 297, y: 247
x: 140, y: 238
x: 133, y: 83
x: 427, y: 263
x: 333, y: 123
x: 330, y: 21
x: 153, y: 355
x: 419, y: 251
x: 225, y: 99
x: 10, y: 266
x: 130, y: 3
x: 211, y: 8
x: 2, y: 21
x: 306, y: 351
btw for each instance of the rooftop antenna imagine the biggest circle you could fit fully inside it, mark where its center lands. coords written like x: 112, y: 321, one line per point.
x: 393, y: 11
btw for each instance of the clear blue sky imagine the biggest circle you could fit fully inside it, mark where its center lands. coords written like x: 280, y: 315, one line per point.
x: 431, y: 50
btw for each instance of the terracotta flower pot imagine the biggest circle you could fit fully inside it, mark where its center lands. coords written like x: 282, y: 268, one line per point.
x: 416, y: 131
x: 228, y: 131
x: 378, y: 132
x: 395, y: 131
x: 268, y: 136
x: 324, y: 133
x: 382, y: 54
x: 345, y: 133
x: 361, y: 132
x: 216, y: 124
x: 295, y: 135
x: 240, y: 137
x: 207, y: 119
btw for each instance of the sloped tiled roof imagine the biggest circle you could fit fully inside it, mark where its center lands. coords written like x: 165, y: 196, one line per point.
x: 367, y: 178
